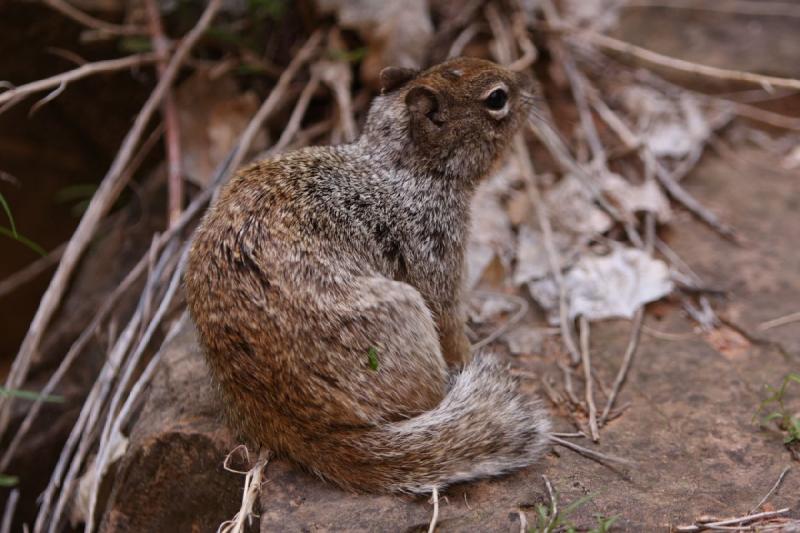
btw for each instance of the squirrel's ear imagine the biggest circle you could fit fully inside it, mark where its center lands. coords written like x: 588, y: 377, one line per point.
x: 395, y: 77
x: 423, y: 105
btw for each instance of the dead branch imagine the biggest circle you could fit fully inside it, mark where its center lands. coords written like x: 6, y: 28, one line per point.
x: 101, y: 26
x: 601, y: 458
x: 31, y: 271
x: 553, y: 257
x: 298, y: 113
x: 654, y: 58
x: 780, y: 321
x: 89, y: 69
x: 553, y: 504
x: 110, y: 188
x: 172, y: 137
x: 777, y: 484
x: 736, y: 7
x: 8, y: 512
x: 738, y: 521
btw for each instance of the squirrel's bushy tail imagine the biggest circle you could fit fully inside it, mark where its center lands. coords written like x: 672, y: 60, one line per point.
x: 483, y: 427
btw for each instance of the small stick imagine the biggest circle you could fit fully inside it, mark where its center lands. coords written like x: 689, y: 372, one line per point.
x: 771, y: 491
x: 553, y: 257
x: 298, y: 113
x: 553, y: 504
x: 780, y: 321
x: 649, y: 56
x: 83, y: 71
x: 8, y: 513
x: 523, y: 522
x: 587, y: 373
x: 29, y: 272
x: 732, y: 521
x: 568, y: 383
x: 435, y: 517
x: 252, y: 487
x: 172, y: 136
x: 574, y: 435
x: 761, y: 7
x: 601, y: 458
x: 630, y: 351
x: 89, y: 21
x: 463, y: 40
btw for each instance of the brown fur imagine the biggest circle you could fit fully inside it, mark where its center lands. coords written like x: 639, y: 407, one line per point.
x: 314, y: 263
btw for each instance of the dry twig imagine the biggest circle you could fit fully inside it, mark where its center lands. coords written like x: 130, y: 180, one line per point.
x: 435, y: 517
x: 89, y: 69
x: 172, y: 138
x: 101, y: 26
x: 654, y: 58
x: 8, y: 513
x: 738, y: 522
x: 780, y: 321
x: 587, y: 376
x: 777, y: 484
x: 252, y: 486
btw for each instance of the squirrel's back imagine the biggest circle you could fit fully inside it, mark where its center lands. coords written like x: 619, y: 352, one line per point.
x: 325, y: 286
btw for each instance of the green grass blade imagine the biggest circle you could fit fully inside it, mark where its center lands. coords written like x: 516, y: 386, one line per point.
x: 7, y: 209
x: 8, y: 481
x: 22, y: 240
x: 30, y: 395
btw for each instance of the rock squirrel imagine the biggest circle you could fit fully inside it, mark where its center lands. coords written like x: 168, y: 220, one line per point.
x: 326, y: 288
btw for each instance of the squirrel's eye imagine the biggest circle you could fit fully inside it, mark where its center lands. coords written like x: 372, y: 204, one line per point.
x: 496, y: 100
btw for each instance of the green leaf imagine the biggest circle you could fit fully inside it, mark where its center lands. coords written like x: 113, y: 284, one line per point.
x: 30, y: 395
x: 373, y: 358
x: 7, y: 209
x: 22, y: 240
x: 348, y: 56
x: 135, y: 45
x: 8, y: 481
x: 772, y: 416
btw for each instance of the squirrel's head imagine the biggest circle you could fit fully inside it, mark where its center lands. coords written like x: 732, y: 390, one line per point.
x: 456, y: 118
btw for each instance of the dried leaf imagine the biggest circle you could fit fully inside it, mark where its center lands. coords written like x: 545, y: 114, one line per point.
x: 632, y: 198
x: 615, y: 285
x: 573, y: 209
x: 491, y: 235
x: 668, y: 128
x: 212, y: 114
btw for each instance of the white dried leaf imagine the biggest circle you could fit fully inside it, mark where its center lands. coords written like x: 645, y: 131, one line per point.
x: 491, y: 235
x: 646, y: 196
x: 212, y: 113
x: 532, y: 260
x: 615, y: 285
x: 490, y: 307
x: 572, y: 208
x: 525, y: 339
x: 395, y: 33
x: 668, y: 128
x: 545, y: 292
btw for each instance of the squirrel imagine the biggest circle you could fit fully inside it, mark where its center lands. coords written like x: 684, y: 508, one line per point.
x: 325, y: 285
